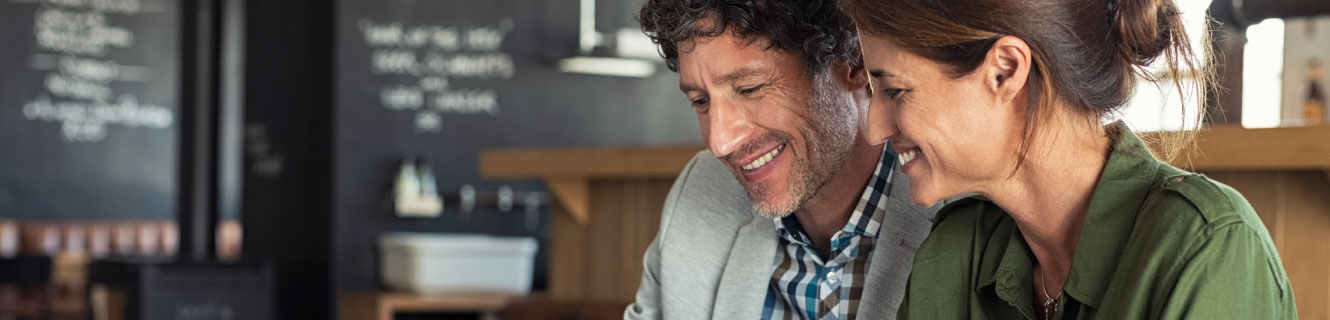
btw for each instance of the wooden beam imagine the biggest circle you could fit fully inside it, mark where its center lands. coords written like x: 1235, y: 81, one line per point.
x: 575, y: 196
x: 1235, y: 148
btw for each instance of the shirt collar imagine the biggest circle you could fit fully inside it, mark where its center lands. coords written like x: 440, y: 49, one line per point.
x: 1122, y: 188
x: 862, y: 221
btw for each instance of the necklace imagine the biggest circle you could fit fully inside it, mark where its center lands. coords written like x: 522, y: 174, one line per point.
x: 1050, y: 302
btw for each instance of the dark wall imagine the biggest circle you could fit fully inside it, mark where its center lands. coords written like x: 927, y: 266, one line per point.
x: 87, y: 119
x: 537, y: 106
x: 285, y: 72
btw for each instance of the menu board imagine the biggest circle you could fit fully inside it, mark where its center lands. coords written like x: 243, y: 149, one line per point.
x: 88, y: 99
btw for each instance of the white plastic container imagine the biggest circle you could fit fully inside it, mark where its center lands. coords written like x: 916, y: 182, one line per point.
x: 451, y: 263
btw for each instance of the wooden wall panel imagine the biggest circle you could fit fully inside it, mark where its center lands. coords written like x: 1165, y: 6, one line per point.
x: 602, y: 260
x: 626, y: 217
x: 606, y: 232
x: 1295, y: 207
x: 568, y: 242
x: 1306, y: 248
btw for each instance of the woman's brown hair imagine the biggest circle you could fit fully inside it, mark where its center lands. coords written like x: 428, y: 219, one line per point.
x: 1087, y: 54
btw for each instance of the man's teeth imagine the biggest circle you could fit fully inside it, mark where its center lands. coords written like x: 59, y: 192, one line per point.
x: 906, y: 157
x: 763, y: 160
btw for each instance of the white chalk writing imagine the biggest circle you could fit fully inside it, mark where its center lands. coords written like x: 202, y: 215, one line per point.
x: 83, y: 121
x: 75, y: 36
x: 430, y: 57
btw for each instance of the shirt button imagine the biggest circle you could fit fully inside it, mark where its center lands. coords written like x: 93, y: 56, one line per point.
x: 1177, y: 179
x: 833, y: 277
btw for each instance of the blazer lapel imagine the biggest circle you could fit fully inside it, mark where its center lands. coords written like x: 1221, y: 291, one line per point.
x: 743, y: 285
x: 903, y: 230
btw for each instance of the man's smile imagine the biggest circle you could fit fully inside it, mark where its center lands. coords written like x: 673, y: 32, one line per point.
x: 764, y: 159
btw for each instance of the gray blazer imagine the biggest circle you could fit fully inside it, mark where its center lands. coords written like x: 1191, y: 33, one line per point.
x: 713, y: 256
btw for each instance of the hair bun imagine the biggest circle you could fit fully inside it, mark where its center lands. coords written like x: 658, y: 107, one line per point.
x: 1144, y: 28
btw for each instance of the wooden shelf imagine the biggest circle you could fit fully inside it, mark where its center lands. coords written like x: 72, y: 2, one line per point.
x: 1220, y: 148
x: 1231, y: 148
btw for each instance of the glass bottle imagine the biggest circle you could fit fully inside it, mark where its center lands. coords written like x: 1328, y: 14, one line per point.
x: 1313, y: 107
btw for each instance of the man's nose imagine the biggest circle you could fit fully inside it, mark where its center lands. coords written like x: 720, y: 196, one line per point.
x: 730, y: 128
x: 881, y: 122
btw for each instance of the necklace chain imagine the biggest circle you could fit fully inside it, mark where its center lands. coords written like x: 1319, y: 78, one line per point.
x: 1050, y: 302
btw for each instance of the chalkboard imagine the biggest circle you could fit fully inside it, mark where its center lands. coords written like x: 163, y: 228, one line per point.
x: 446, y: 79
x: 88, y: 97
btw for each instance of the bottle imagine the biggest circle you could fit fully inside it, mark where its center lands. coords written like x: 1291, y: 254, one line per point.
x: 431, y: 204
x: 407, y: 188
x: 428, y: 187
x: 1313, y: 107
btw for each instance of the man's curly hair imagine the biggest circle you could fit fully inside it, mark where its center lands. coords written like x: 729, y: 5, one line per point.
x: 815, y: 30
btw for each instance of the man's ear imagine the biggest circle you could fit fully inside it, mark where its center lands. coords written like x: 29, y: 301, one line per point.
x: 1007, y: 67
x: 850, y: 74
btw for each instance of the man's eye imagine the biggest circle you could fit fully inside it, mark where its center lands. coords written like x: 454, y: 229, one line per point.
x: 700, y: 103
x: 750, y: 90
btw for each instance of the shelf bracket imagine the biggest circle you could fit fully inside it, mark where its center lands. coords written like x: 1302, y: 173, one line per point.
x: 575, y: 196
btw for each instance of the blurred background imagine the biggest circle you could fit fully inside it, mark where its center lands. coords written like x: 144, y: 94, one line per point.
x: 446, y: 159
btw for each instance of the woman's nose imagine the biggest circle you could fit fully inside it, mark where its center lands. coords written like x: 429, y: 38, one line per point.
x: 881, y: 122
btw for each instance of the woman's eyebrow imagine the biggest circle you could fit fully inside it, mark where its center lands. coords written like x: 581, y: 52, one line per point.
x: 880, y: 74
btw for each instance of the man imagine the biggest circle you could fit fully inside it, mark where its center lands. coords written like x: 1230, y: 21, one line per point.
x: 811, y: 221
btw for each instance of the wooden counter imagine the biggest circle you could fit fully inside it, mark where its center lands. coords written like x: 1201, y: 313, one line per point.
x: 374, y: 305
x: 610, y: 202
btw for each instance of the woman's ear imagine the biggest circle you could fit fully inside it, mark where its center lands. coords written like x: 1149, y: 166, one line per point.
x: 1007, y: 67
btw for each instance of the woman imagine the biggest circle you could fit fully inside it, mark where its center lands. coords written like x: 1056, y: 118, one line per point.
x: 1073, y: 218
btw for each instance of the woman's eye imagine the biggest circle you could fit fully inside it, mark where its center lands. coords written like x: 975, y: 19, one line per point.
x: 893, y: 93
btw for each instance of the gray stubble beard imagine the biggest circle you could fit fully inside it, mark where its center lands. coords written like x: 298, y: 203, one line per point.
x: 830, y: 132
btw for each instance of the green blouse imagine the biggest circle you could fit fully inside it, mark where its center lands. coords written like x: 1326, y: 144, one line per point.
x: 1158, y: 243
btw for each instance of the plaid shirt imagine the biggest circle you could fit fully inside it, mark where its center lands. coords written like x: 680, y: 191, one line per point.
x: 805, y: 287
